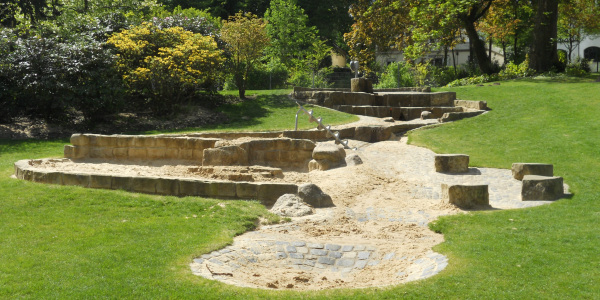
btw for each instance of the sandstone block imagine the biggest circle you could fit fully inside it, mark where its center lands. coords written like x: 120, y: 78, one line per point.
x: 100, y: 181
x: 246, y: 190
x: 144, y: 185
x: 78, y: 139
x: 106, y: 141
x: 121, y: 183
x: 156, y: 153
x: 137, y: 153
x: 451, y: 163
x: 76, y: 179
x: 442, y: 98
x: 47, y: 177
x: 120, y: 153
x: 220, y: 189
x: 188, y: 187
x: 358, y: 85
x: 381, y: 134
x: 268, y: 193
x: 187, y: 154
x: 329, y: 151
x: 364, y: 133
x: 225, y: 156
x: 161, y: 141
x: 322, y: 165
x: 124, y: 141
x: 479, y: 105
x: 521, y: 169
x: 96, y: 152
x: 171, y: 153
x: 466, y: 196
x: 541, y: 188
x: 167, y: 186
x: 68, y: 151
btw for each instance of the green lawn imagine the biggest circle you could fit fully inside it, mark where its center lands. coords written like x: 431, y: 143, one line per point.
x: 69, y: 242
x: 269, y: 111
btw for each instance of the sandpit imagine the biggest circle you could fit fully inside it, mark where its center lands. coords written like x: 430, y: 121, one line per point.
x: 376, y: 235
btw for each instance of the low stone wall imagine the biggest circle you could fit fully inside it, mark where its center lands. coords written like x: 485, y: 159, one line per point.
x: 395, y: 99
x: 469, y: 104
x: 130, y: 147
x: 281, y: 153
x: 266, y: 193
x: 398, y: 113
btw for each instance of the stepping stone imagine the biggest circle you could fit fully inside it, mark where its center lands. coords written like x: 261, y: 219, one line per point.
x: 466, y: 196
x: 521, y: 169
x: 541, y: 188
x: 451, y: 163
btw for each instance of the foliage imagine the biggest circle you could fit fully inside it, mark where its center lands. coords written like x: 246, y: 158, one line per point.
x: 163, y: 68
x: 47, y: 77
x: 246, y: 40
x: 396, y: 74
x: 291, y: 37
x: 512, y: 71
x: 264, y: 76
x: 577, y: 19
x: 579, y: 67
x: 473, y: 80
x: 194, y: 20
x: 305, y: 77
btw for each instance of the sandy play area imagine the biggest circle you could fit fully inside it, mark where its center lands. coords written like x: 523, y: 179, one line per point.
x: 376, y: 235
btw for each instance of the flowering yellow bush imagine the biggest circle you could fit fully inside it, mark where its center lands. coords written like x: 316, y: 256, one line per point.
x: 165, y: 67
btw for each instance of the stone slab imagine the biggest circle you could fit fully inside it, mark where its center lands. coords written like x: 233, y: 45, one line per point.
x: 466, y: 196
x: 451, y: 163
x: 542, y: 188
x: 521, y: 169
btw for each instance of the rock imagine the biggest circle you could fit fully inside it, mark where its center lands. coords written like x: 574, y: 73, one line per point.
x: 541, y: 188
x: 364, y: 133
x: 466, y: 196
x: 225, y: 156
x: 328, y: 151
x: 290, y: 205
x: 320, y: 165
x: 521, y: 169
x: 389, y: 119
x: 451, y: 163
x: 314, y: 196
x: 353, y: 160
x: 425, y: 115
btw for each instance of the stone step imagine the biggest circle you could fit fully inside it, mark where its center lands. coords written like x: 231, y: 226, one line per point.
x: 395, y: 99
x: 398, y: 113
x: 466, y: 196
x: 473, y: 105
x: 537, y: 187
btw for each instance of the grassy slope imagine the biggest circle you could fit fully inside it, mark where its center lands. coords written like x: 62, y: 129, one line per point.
x: 68, y: 242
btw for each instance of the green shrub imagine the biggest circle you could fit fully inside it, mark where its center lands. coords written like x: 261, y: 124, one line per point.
x: 163, y: 68
x: 512, y: 70
x: 48, y: 77
x: 474, y: 80
x: 579, y: 67
x: 396, y: 74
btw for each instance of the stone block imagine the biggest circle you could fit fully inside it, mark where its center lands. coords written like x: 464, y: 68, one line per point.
x: 124, y: 141
x: 105, y: 153
x: 76, y: 179
x: 171, y: 153
x: 479, y: 105
x: 137, y: 153
x: 188, y: 187
x: 167, y: 186
x: 268, y: 193
x: 106, y: 141
x: 47, y: 177
x: 420, y: 100
x: 322, y: 165
x: 381, y: 134
x: 246, y: 190
x: 329, y: 151
x: 364, y: 133
x: 542, y: 188
x: 220, y: 189
x: 335, y: 98
x: 174, y: 142
x: 225, y: 156
x: 521, y: 169
x: 187, y: 154
x: 161, y: 141
x: 451, y: 163
x: 120, y: 153
x: 412, y: 113
x: 144, y: 185
x: 466, y: 196
x: 442, y: 98
x: 156, y: 153
x: 68, y: 151
x: 78, y: 139
x: 100, y: 181
x: 361, y: 85
x: 121, y: 183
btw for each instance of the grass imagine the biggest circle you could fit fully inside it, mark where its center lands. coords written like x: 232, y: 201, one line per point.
x: 69, y: 242
x: 268, y: 111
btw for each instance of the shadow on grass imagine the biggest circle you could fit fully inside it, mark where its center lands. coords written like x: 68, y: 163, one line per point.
x: 8, y: 146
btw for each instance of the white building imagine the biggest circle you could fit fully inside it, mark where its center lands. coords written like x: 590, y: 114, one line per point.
x: 457, y: 56
x: 589, y: 48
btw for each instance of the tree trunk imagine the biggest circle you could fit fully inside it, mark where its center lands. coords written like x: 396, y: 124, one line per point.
x: 478, y: 46
x: 543, y: 55
x: 241, y: 84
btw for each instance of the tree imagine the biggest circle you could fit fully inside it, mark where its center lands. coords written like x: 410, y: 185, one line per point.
x: 246, y: 39
x: 543, y: 55
x: 291, y: 37
x: 577, y: 19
